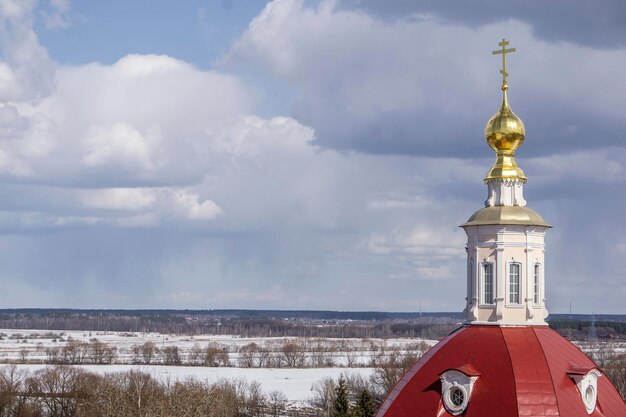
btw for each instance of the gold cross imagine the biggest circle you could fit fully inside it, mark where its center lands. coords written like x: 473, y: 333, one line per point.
x: 503, y: 51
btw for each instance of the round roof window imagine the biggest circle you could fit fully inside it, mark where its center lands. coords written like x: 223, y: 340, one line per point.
x: 455, y: 399
x: 590, y: 398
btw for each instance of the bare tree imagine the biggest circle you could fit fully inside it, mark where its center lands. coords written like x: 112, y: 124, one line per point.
x: 389, y: 370
x: 276, y: 403
x: 216, y: 356
x: 144, y: 395
x: 293, y: 355
x: 195, y: 356
x: 317, y: 355
x: 351, y: 356
x: 615, y: 370
x: 248, y: 355
x: 324, y: 396
x: 99, y: 352
x: 145, y: 352
x: 11, y: 383
x: 53, y: 355
x: 23, y: 355
x: 171, y: 356
x: 74, y: 352
x: 57, y: 389
x: 64, y: 391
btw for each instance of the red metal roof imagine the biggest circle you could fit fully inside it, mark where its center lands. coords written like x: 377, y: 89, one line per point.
x: 523, y: 371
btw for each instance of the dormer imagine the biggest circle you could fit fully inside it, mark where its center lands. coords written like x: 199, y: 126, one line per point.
x: 586, y: 380
x: 456, y: 388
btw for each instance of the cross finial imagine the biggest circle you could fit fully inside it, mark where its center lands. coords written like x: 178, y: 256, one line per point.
x: 503, y: 52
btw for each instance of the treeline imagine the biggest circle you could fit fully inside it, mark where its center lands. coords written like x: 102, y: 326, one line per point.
x: 285, y: 353
x: 426, y: 327
x: 244, y: 313
x: 252, y: 323
x: 66, y: 391
x: 579, y: 329
x: 614, y: 366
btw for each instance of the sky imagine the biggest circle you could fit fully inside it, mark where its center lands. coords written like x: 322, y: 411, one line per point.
x: 298, y: 154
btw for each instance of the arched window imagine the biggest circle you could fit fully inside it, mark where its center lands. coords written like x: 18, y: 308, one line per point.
x: 536, y: 286
x: 514, y: 283
x: 487, y: 283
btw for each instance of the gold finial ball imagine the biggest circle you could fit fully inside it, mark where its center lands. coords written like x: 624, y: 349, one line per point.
x: 505, y: 131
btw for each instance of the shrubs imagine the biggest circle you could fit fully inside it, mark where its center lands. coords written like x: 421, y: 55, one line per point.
x: 268, y: 353
x: 75, y: 352
x: 615, y: 370
x: 216, y: 356
x: 170, y: 356
x: 145, y: 352
x: 65, y: 391
x: 389, y: 369
x: 350, y: 396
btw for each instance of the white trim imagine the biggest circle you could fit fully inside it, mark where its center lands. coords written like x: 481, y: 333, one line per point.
x: 504, y: 323
x: 508, y: 229
x: 493, y: 245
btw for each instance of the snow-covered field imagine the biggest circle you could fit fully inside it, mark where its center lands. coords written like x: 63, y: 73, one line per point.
x: 30, y: 349
x: 601, y: 348
x: 34, y: 346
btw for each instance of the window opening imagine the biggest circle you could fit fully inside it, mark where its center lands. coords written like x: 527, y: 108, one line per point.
x: 536, y: 285
x: 514, y: 284
x: 457, y: 397
x: 488, y: 283
x: 589, y: 395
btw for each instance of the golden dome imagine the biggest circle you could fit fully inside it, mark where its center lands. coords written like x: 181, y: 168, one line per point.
x: 505, y: 133
x: 506, y: 215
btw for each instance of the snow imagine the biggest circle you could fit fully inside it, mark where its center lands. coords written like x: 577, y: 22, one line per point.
x: 341, y: 351
x: 296, y: 384
x: 27, y: 349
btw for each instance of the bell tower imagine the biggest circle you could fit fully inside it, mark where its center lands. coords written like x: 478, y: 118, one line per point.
x: 505, y: 239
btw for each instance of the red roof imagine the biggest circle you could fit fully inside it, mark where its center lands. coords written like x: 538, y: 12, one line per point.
x: 522, y: 371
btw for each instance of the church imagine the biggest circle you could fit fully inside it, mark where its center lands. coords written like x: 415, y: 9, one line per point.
x: 504, y: 361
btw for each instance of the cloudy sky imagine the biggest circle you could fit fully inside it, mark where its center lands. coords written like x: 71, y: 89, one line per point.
x: 299, y: 154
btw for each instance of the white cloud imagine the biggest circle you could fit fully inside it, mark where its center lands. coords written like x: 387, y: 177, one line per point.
x: 8, y: 81
x: 119, y: 198
x: 121, y: 146
x: 146, y: 119
x: 417, y: 240
x: 606, y: 165
x: 10, y: 166
x: 26, y: 71
x: 248, y: 137
x: 132, y: 158
x: 58, y: 16
x: 148, y: 206
x: 189, y: 206
x: 420, y: 86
